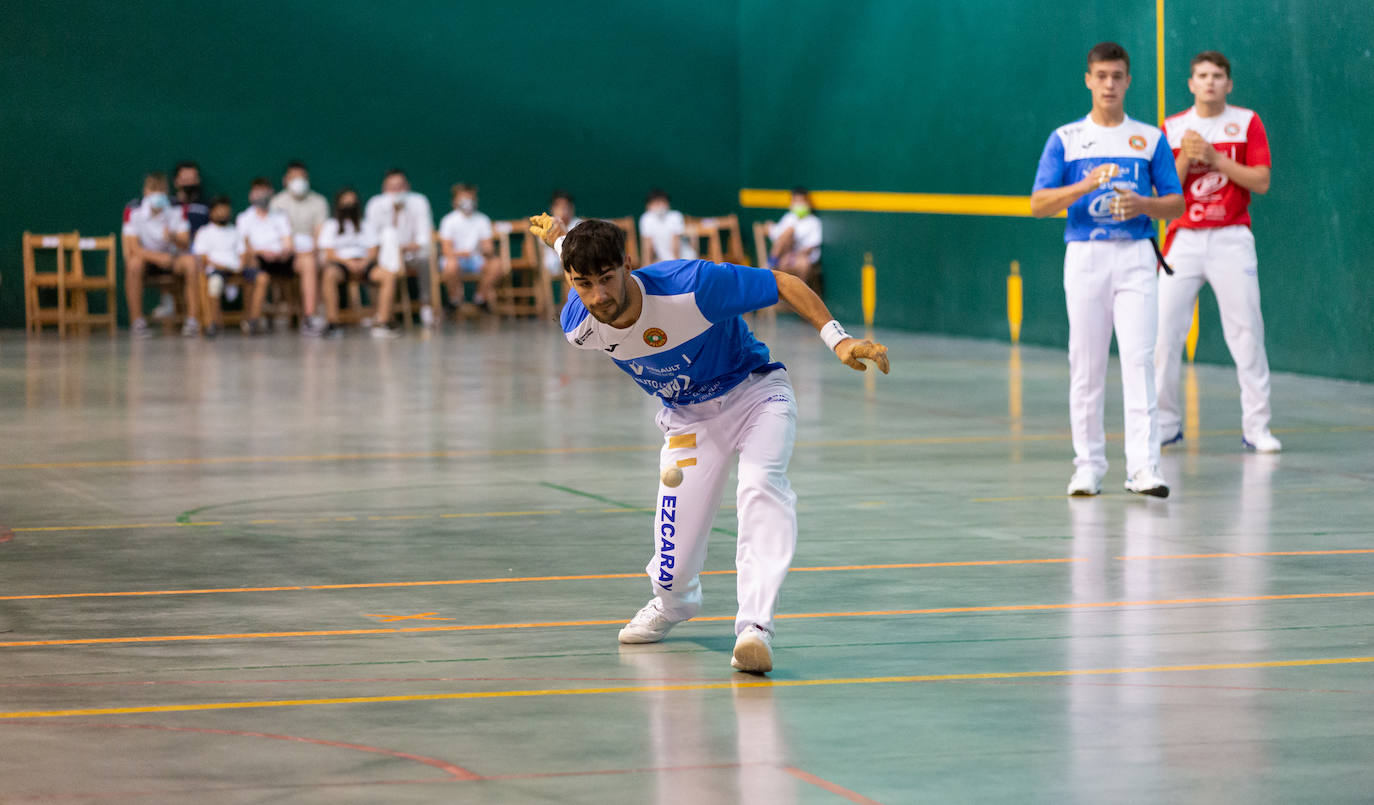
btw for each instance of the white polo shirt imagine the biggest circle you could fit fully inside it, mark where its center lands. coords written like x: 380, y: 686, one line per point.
x: 465, y: 231
x: 414, y: 221
x: 221, y: 247
x: 306, y: 213
x: 264, y: 232
x: 154, y: 230
x: 348, y: 242
x: 806, y: 233
x: 662, y: 230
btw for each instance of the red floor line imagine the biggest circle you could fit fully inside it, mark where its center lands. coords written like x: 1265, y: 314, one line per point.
x: 6, y: 534
x: 826, y: 785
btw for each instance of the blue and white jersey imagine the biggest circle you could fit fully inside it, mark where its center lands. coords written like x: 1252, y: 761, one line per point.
x: 689, y: 344
x: 1142, y: 154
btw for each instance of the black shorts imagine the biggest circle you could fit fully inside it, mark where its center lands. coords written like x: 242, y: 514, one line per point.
x: 278, y: 268
x: 347, y: 275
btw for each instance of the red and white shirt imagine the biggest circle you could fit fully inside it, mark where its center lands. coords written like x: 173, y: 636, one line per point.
x: 1210, y: 199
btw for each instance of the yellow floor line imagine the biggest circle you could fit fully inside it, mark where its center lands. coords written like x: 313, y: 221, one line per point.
x: 762, y: 683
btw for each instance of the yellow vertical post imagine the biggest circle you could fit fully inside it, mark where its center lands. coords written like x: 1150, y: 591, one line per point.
x: 1014, y: 301
x: 1192, y: 335
x: 868, y: 290
x: 1159, y: 56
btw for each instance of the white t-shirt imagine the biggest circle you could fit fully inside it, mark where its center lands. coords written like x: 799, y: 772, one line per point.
x: 307, y: 214
x: 414, y: 222
x: 806, y: 233
x: 349, y: 244
x: 264, y: 233
x: 154, y: 230
x: 220, y: 245
x: 662, y: 230
x: 552, y: 262
x: 466, y: 232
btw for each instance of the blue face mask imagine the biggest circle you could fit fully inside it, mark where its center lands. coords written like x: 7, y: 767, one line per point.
x: 158, y: 201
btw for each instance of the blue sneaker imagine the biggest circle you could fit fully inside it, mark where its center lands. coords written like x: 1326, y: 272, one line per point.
x: 1175, y: 439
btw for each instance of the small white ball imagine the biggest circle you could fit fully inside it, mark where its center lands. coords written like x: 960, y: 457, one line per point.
x: 671, y: 476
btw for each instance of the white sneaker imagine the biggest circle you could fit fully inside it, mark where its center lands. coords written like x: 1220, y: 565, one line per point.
x: 1148, y: 482
x: 1084, y: 483
x: 1264, y: 443
x: 427, y: 316
x: 191, y: 328
x: 753, y: 651
x: 383, y: 333
x: 166, y: 307
x: 139, y: 329
x: 649, y: 625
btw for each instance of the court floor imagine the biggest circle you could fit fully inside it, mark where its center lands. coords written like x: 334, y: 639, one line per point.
x: 284, y: 570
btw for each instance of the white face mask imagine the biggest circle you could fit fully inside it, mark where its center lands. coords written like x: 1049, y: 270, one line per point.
x: 466, y: 205
x: 395, y: 197
x: 298, y: 186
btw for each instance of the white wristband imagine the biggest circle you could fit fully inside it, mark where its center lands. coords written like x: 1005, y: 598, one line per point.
x: 558, y: 246
x: 833, y: 333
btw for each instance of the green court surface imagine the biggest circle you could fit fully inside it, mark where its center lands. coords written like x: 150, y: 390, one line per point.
x: 284, y: 570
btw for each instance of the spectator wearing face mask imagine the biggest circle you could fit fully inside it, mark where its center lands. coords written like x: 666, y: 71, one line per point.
x: 218, y: 249
x: 350, y: 253
x: 664, y: 228
x: 156, y: 240
x: 307, y: 211
x: 796, y: 238
x: 403, y: 225
x: 562, y: 207
x: 267, y: 246
x: 469, y: 245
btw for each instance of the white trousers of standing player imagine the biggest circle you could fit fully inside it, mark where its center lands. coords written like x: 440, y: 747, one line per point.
x: 1224, y: 257
x: 1111, y: 284
x: 758, y: 421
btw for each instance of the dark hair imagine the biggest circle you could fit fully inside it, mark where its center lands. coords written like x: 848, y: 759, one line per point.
x: 296, y: 163
x: 1212, y: 57
x: 157, y: 177
x: 801, y: 191
x: 561, y: 194
x: 220, y: 201
x: 1108, y: 51
x: 657, y: 194
x: 594, y: 247
x: 395, y: 172
x: 355, y: 216
x: 260, y: 181
x: 185, y: 163
x: 461, y: 187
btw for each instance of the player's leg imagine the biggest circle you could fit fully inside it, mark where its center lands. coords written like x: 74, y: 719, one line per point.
x: 1233, y: 270
x: 682, y: 520
x: 1087, y: 295
x: 1177, y: 294
x: 1135, y: 311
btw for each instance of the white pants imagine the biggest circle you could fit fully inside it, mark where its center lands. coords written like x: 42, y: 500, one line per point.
x: 758, y: 420
x: 1111, y: 283
x: 1224, y: 257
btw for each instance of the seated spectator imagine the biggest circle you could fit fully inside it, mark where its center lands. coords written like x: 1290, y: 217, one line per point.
x: 562, y: 207
x: 306, y: 210
x: 218, y: 249
x: 186, y: 184
x: 156, y: 240
x: 267, y: 246
x: 664, y: 229
x: 403, y: 225
x: 469, y: 247
x: 796, y: 238
x: 350, y: 253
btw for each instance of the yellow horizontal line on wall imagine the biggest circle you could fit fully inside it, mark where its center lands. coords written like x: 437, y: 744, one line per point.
x: 863, y: 201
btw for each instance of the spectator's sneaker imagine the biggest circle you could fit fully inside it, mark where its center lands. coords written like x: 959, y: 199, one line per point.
x: 381, y: 332
x: 1084, y: 483
x: 1264, y: 443
x: 211, y: 330
x: 753, y: 651
x: 366, y: 322
x: 332, y: 330
x: 1175, y: 439
x: 191, y: 328
x: 166, y: 307
x: 649, y: 625
x: 1148, y: 482
x: 313, y: 327
x: 253, y: 326
x: 427, y: 316
x: 139, y: 329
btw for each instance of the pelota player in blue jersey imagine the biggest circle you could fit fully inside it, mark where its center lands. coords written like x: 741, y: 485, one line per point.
x: 675, y: 328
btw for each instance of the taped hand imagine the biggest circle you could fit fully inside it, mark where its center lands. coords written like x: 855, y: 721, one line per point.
x: 547, y: 228
x: 852, y: 352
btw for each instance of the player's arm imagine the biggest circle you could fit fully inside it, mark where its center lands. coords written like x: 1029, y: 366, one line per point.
x: 1254, y: 178
x: 809, y: 306
x: 1128, y: 204
x: 1049, y: 201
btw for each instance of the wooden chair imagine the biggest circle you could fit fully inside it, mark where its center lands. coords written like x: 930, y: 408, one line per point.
x: 229, y: 318
x: 35, y: 314
x: 717, y: 239
x: 78, y: 284
x: 525, y: 288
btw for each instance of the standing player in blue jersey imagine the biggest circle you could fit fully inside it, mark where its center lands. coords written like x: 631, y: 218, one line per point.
x: 1101, y: 169
x: 675, y: 328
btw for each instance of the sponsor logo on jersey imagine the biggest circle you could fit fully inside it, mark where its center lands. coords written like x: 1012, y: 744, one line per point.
x: 1101, y: 207
x: 667, y: 532
x: 1232, y: 129
x: 1208, y: 184
x: 1137, y: 142
x: 655, y: 337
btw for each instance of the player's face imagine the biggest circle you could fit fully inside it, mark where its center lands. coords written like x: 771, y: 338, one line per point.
x: 1108, y: 81
x: 1209, y: 83
x: 606, y: 295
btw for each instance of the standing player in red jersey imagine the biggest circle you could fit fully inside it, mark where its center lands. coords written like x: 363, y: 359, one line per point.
x: 1222, y: 154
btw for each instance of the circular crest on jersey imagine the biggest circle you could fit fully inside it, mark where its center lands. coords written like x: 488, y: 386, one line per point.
x: 1233, y: 128
x: 1137, y: 142
x: 655, y: 337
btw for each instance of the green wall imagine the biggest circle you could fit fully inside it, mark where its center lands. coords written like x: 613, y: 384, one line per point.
x: 888, y: 95
x: 603, y: 98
